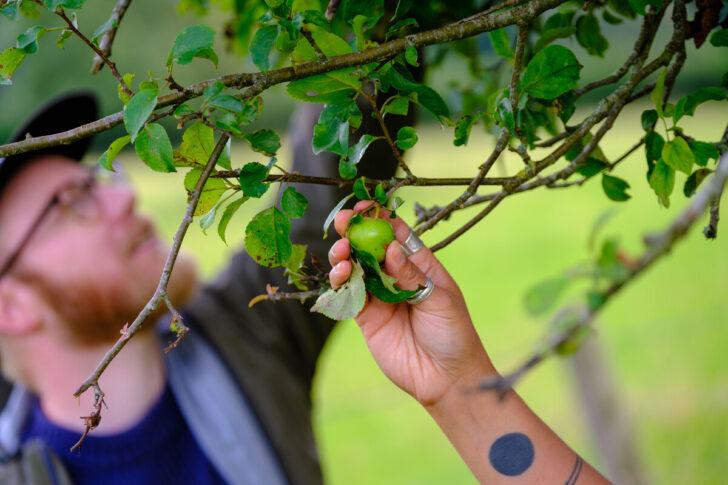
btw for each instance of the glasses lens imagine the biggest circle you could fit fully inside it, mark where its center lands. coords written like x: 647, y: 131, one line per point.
x: 78, y: 199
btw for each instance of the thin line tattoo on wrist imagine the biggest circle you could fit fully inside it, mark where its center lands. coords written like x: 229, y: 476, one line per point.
x: 575, y: 472
x: 512, y: 454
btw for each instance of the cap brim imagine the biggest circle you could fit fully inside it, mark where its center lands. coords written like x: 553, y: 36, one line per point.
x: 60, y: 114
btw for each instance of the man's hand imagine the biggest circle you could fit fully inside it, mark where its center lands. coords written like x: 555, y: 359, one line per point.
x: 427, y: 348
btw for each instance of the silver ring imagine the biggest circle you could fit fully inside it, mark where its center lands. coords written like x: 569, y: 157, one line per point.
x: 412, y: 244
x: 423, y: 293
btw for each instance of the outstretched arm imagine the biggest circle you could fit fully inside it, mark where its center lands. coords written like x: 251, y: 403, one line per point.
x: 432, y: 351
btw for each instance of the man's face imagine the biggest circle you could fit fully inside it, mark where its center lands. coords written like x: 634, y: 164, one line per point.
x: 94, y: 274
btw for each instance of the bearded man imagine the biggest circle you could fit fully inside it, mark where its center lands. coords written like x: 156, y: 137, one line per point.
x: 230, y: 405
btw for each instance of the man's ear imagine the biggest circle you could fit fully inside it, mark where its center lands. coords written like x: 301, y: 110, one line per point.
x: 19, y: 308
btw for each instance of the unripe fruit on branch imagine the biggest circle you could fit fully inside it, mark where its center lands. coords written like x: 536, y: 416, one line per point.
x: 370, y: 235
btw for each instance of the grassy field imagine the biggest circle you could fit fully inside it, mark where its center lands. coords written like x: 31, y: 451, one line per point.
x: 665, y: 336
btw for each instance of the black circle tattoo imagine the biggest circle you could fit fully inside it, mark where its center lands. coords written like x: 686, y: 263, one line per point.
x: 512, y: 454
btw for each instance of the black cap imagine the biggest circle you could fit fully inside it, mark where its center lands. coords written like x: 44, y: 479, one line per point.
x: 63, y: 113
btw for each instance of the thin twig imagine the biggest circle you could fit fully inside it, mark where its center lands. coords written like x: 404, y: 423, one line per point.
x: 472, y: 187
x: 60, y: 12
x: 108, y: 39
x: 459, y: 30
x: 395, y: 150
x: 386, y: 183
x: 161, y: 291
x: 658, y: 246
x: 331, y: 10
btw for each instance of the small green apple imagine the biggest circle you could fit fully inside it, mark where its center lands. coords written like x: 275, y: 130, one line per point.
x: 370, y: 235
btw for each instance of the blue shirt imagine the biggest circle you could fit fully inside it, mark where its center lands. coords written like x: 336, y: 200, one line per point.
x: 158, y: 450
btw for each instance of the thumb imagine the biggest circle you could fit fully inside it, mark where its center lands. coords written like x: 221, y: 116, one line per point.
x: 397, y: 265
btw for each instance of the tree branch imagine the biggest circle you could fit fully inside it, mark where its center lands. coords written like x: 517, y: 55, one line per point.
x: 469, y: 27
x: 657, y: 246
x: 93, y: 47
x: 105, y: 45
x: 161, y: 292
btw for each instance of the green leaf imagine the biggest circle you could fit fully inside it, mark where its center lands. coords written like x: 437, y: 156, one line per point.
x: 264, y: 141
x: 332, y: 215
x: 28, y: 41
x: 410, y: 55
x: 10, y: 59
x: 154, y: 148
x: 398, y: 106
x: 654, y: 143
x: 224, y: 158
x: 406, y: 138
x: 649, y: 118
x: 677, y: 154
x: 662, y: 181
x: 400, y: 27
x: 138, y: 110
x: 183, y: 110
x: 380, y: 195
x: 123, y: 96
x: 252, y: 108
x: 66, y: 4
x: 111, y: 23
x: 213, y: 90
x: 251, y: 177
x: 227, y: 102
x: 294, y: 203
x: 377, y: 283
x: 657, y: 92
x: 551, y: 72
x: 193, y: 42
x: 401, y: 79
x: 360, y: 189
x: 541, y: 298
x: 267, y: 238
x: 610, y: 18
x: 10, y: 11
x: 463, y: 128
x: 357, y: 151
x: 211, y: 192
x: 294, y: 265
x: 331, y: 133
x: 591, y: 167
x: 347, y: 301
x: 639, y: 5
x: 609, y: 262
x: 228, y: 214
x: 703, y: 152
x: 333, y: 87
x: 332, y: 136
x: 208, y: 219
x: 261, y: 46
x: 431, y: 100
x: 550, y: 35
x: 197, y: 144
x: 63, y: 37
x: 501, y: 43
x: 719, y: 38
x: 347, y: 170
x: 330, y: 44
x: 615, y: 188
x: 687, y: 104
x: 108, y: 157
x: 589, y: 35
x: 694, y: 181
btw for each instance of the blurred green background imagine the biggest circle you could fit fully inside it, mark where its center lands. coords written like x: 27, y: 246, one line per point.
x: 665, y: 336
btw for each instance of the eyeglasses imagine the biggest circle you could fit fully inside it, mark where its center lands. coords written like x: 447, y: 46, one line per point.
x: 75, y: 200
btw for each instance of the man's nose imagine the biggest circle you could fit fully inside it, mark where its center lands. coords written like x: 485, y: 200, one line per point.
x: 116, y: 200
